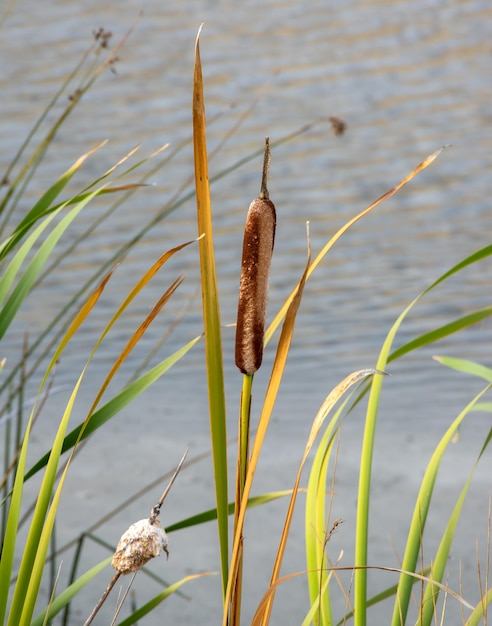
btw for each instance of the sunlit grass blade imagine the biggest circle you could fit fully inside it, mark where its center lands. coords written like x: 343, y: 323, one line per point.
x: 327, y: 247
x: 69, y: 594
x: 134, y: 339
x: 419, y: 517
x: 116, y: 404
x: 333, y: 397
x: 10, y: 538
x: 44, y: 205
x: 479, y: 613
x: 211, y: 315
x: 152, y: 604
x: 467, y: 367
x: 316, y: 524
x: 440, y: 561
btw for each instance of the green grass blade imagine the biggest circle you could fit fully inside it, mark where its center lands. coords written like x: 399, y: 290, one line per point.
x: 211, y: 514
x: 10, y: 538
x: 444, y: 331
x: 362, y: 524
x: 69, y: 593
x: 316, y: 529
x: 441, y: 559
x: 152, y: 604
x: 467, y: 367
x: 27, y: 280
x: 211, y: 316
x: 44, y: 205
x: 478, y: 615
x: 116, y: 404
x: 417, y: 525
x: 37, y: 543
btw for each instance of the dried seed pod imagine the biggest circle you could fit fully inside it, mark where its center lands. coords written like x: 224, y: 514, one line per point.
x: 259, y: 237
x: 140, y: 543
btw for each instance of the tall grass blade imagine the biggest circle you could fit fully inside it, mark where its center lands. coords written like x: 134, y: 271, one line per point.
x: 211, y: 315
x: 417, y: 524
x: 10, y: 537
x: 361, y: 543
x: 440, y: 561
x: 38, y: 540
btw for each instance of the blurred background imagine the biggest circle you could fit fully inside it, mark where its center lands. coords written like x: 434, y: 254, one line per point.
x: 407, y: 78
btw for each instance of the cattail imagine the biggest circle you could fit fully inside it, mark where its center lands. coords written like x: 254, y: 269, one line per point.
x: 259, y: 237
x: 141, y: 542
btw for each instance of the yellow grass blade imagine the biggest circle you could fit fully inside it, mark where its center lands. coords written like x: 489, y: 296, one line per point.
x: 280, y: 315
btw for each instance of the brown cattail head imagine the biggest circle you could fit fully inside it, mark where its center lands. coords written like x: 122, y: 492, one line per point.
x: 259, y: 237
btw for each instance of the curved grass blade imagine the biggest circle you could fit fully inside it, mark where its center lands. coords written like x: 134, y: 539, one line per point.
x: 417, y: 524
x: 27, y: 280
x: 467, y: 367
x: 44, y: 205
x: 443, y: 331
x: 327, y: 247
x: 316, y: 523
x: 479, y: 613
x: 361, y: 543
x: 441, y: 559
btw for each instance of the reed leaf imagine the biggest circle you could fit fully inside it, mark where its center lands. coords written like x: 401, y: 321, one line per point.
x: 440, y: 560
x: 211, y: 314
x: 417, y: 524
x: 361, y: 534
x: 116, y: 404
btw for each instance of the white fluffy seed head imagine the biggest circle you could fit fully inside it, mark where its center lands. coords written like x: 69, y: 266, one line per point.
x: 140, y: 543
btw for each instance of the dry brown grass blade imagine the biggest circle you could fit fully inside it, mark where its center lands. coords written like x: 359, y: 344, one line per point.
x: 320, y: 256
x: 258, y: 616
x: 134, y: 339
x: 81, y: 315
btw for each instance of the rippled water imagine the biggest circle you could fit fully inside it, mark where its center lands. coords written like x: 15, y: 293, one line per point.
x: 407, y: 77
